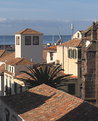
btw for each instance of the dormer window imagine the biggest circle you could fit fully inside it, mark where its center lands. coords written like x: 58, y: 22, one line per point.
x: 27, y: 40
x: 35, y: 40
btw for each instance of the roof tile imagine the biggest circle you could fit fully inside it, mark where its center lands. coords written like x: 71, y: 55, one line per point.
x: 44, y: 103
x: 29, y: 31
x: 72, y: 43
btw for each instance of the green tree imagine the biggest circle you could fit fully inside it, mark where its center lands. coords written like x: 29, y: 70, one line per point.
x: 50, y: 75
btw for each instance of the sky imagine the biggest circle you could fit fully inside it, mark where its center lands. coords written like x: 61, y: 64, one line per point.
x: 47, y: 16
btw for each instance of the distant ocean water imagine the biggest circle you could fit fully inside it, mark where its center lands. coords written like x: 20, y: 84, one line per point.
x: 10, y: 39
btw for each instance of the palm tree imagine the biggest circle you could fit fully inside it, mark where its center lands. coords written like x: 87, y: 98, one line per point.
x: 50, y: 75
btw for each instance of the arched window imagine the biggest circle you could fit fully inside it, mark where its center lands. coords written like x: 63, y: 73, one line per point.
x: 78, y: 35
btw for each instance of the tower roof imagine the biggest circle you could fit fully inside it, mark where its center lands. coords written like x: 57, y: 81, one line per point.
x: 29, y: 31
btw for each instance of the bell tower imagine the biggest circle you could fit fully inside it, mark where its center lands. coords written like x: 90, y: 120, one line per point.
x: 29, y: 45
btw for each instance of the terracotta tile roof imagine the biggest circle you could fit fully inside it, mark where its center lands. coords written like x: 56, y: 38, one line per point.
x: 44, y: 103
x: 29, y: 31
x: 72, y: 43
x: 51, y: 48
x: 2, y: 68
x: 7, y: 56
x: 19, y: 61
x: 1, y: 52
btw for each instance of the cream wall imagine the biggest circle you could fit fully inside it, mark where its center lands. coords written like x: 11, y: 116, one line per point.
x: 31, y: 52
x: 69, y: 65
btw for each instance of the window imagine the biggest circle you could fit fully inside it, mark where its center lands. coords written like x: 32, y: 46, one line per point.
x: 17, y: 40
x: 6, y: 67
x: 35, y: 40
x: 79, y: 54
x: 72, y: 53
x: 51, y: 55
x: 27, y: 40
x: 12, y: 69
x: 78, y: 35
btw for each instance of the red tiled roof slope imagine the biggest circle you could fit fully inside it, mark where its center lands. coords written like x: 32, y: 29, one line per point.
x: 72, y: 43
x: 19, y: 61
x: 29, y: 31
x: 44, y: 103
x: 1, y: 52
x: 7, y: 56
x: 2, y: 68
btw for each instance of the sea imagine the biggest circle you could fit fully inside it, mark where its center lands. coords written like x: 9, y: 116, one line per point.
x: 10, y: 39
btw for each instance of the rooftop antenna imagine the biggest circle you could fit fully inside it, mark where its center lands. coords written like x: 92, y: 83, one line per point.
x: 59, y: 41
x: 72, y: 29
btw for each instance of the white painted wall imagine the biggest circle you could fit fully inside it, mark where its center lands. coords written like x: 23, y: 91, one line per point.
x: 77, y: 35
x: 18, y: 47
x: 33, y: 52
x: 54, y: 57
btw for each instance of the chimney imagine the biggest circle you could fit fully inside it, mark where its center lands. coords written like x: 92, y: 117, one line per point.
x: 93, y: 32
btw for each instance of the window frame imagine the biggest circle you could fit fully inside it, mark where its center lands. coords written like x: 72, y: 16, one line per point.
x: 51, y: 56
x: 27, y: 40
x: 35, y: 38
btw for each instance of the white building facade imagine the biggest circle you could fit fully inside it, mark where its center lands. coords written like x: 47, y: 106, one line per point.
x: 77, y: 35
x: 29, y: 45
